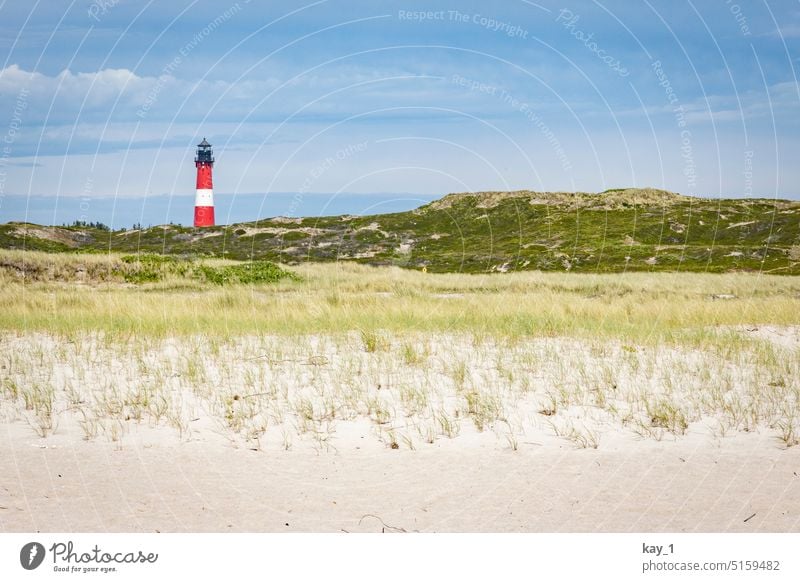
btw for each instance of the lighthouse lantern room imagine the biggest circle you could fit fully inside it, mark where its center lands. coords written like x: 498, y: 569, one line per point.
x: 204, y: 200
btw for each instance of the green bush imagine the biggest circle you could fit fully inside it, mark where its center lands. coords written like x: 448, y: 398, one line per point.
x: 294, y: 235
x: 248, y: 273
x: 148, y: 267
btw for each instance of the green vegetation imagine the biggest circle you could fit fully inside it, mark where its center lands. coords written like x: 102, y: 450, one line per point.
x: 142, y: 268
x: 246, y: 274
x: 619, y: 230
x: 146, y: 268
x: 94, y: 225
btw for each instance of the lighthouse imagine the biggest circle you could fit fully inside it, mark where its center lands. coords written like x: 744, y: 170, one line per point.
x: 204, y: 199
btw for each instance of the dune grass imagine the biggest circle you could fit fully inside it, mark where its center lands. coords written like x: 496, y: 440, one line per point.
x: 417, y: 357
x: 328, y: 391
x: 341, y: 297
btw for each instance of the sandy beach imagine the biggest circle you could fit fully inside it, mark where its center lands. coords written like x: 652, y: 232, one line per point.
x: 318, y: 454
x: 743, y: 484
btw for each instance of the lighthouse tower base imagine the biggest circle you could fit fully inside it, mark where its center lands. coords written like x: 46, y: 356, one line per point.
x: 204, y: 216
x: 204, y: 207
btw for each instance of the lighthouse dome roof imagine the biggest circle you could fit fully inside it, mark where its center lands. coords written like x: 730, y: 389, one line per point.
x: 204, y: 144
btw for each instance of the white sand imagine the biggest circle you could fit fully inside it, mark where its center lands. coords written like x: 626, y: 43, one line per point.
x: 686, y: 486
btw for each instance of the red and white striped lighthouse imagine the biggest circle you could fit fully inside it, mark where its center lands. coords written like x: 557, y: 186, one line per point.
x: 204, y: 199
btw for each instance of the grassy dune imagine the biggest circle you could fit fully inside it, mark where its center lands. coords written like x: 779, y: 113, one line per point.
x: 70, y: 292
x: 623, y: 230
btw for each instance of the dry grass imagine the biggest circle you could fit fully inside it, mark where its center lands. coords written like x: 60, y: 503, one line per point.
x: 336, y: 298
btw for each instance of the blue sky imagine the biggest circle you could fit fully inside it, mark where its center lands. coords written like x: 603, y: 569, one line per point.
x: 105, y: 100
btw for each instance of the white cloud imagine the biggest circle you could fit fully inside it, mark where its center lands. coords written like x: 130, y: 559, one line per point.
x: 122, y: 95
x: 69, y: 96
x: 106, y: 82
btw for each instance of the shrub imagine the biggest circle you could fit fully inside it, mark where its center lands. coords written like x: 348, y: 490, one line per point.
x: 248, y: 273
